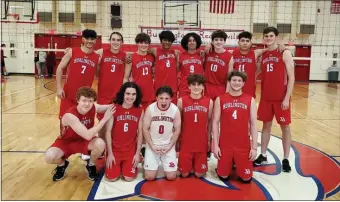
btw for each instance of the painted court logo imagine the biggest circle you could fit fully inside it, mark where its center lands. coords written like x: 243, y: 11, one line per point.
x: 314, y: 176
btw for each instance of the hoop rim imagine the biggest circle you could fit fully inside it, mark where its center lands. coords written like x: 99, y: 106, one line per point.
x: 15, y: 15
x: 181, y: 22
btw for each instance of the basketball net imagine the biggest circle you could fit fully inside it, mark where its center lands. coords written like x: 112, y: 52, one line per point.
x: 15, y: 16
x: 181, y: 25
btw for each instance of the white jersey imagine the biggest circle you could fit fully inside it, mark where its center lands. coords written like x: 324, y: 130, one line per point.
x: 162, y: 124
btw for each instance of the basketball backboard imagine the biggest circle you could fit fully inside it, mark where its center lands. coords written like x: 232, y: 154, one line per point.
x: 185, y: 10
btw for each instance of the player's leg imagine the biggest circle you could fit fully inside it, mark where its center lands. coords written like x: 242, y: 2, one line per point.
x: 283, y: 117
x: 57, y: 154
x: 224, y: 165
x: 96, y: 147
x: 113, y: 173
x: 129, y: 172
x: 265, y: 114
x: 244, y: 167
x: 200, y: 164
x: 169, y: 162
x: 185, y: 162
x: 150, y: 164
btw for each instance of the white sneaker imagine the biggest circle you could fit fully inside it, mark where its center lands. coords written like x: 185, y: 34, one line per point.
x: 85, y: 157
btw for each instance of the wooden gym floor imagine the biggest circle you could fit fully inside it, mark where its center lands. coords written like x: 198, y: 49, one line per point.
x: 30, y: 124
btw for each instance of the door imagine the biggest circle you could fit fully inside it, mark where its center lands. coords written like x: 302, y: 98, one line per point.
x: 302, y: 67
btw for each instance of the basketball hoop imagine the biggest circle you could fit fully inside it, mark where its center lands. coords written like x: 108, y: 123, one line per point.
x: 15, y: 16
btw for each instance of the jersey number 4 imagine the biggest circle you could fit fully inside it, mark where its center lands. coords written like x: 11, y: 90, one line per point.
x: 234, y: 115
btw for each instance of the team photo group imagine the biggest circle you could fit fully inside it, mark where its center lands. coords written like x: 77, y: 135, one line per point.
x: 160, y: 106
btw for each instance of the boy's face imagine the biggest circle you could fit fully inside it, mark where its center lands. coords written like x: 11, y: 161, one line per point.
x: 269, y: 38
x: 244, y: 44
x: 143, y: 46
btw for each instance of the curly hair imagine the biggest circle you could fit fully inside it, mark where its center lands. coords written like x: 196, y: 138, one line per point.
x: 86, y: 92
x: 120, y: 94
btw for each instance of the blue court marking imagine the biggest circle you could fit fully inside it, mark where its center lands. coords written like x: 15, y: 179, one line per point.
x: 321, y: 192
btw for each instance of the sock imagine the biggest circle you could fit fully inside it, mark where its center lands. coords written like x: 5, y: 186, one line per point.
x: 264, y: 154
x: 62, y: 164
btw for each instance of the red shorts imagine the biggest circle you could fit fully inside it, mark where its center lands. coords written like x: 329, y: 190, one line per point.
x: 175, y: 98
x: 267, y: 110
x: 213, y: 91
x: 145, y: 104
x: 122, y: 166
x: 192, y: 160
x: 65, y: 104
x: 244, y: 167
x: 70, y: 147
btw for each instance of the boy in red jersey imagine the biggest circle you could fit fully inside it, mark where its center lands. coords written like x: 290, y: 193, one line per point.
x: 217, y: 66
x: 166, y: 63
x: 141, y: 69
x: 190, y: 61
x: 276, y: 89
x: 81, y: 66
x: 233, y: 111
x: 78, y: 134
x: 124, y: 134
x: 196, y: 111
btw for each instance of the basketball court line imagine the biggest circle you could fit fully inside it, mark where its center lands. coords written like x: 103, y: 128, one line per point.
x: 20, y: 91
x: 28, y: 102
x: 30, y: 113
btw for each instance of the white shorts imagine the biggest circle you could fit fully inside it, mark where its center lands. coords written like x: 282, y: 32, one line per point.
x: 152, y: 160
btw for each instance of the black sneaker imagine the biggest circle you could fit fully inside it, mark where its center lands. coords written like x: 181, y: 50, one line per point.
x: 142, y: 151
x: 208, y: 155
x: 59, y: 172
x: 260, y: 160
x: 92, y: 171
x: 285, y: 166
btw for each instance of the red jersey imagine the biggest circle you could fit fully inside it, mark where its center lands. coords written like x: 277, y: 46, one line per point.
x: 189, y: 64
x: 166, y: 69
x: 234, y: 122
x: 67, y: 133
x: 274, y: 76
x: 124, y: 131
x: 80, y: 72
x: 142, y: 75
x: 216, y: 67
x: 111, y: 75
x: 246, y: 63
x: 194, y: 135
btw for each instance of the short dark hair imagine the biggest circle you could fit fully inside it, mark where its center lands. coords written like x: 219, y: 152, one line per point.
x: 167, y: 35
x: 185, y: 40
x: 245, y: 34
x: 142, y: 37
x: 237, y: 73
x: 3, y: 45
x: 219, y: 34
x: 89, y: 33
x: 120, y: 94
x: 196, y: 78
x: 164, y: 89
x: 271, y: 29
x: 86, y: 92
x: 117, y: 33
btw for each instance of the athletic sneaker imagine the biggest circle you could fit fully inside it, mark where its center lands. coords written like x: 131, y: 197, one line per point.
x: 208, y: 155
x: 59, y: 172
x: 285, y: 166
x: 260, y: 160
x: 92, y: 171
